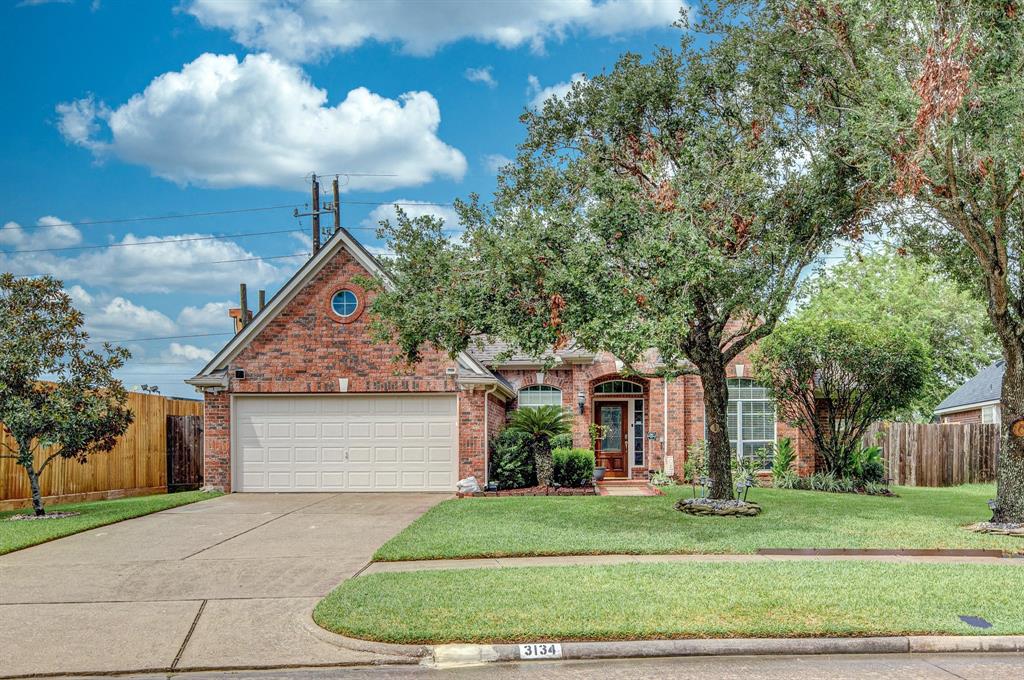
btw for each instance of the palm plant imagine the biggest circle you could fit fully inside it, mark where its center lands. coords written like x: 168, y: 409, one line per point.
x: 541, y: 424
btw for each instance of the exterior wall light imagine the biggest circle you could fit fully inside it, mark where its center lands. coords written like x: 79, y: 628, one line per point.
x: 581, y: 401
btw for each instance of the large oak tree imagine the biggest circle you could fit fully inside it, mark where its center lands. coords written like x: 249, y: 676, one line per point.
x: 665, y: 208
x: 934, y: 100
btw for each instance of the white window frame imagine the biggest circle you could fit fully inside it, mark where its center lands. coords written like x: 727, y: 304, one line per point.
x: 991, y: 415
x: 540, y: 389
x: 738, y: 447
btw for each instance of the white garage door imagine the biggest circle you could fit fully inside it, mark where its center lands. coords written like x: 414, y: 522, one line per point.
x: 345, y: 443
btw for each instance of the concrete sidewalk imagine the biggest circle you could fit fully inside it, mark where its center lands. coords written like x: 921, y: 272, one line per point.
x: 224, y: 583
x: 581, y: 560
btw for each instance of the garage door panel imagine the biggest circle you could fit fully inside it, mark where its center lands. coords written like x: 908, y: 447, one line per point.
x: 351, y: 442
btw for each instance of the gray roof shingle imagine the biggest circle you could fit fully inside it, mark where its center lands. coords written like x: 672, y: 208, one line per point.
x: 987, y: 385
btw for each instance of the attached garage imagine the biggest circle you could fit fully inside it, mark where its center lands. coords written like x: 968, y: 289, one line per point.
x: 355, y: 442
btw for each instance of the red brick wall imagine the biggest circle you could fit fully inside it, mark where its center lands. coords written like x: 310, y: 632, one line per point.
x: 972, y: 416
x: 304, y: 349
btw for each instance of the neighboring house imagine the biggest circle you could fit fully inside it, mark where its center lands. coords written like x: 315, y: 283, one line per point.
x: 302, y: 399
x: 977, y: 400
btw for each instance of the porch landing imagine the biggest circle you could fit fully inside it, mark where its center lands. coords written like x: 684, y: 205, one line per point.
x: 626, y: 487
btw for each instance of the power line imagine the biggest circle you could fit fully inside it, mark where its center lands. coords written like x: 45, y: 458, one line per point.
x: 150, y: 243
x: 122, y: 220
x: 444, y: 205
x: 163, y: 337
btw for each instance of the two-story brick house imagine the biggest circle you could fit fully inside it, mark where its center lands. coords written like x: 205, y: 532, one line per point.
x: 303, y: 399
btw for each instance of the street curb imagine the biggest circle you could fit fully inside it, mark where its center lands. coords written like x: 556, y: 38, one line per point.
x: 404, y: 653
x: 452, y: 655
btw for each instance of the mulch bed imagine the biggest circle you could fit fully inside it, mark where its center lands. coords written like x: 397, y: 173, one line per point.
x: 50, y: 515
x: 534, y: 491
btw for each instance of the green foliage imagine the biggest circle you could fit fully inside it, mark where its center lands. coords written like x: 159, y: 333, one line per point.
x: 54, y: 390
x: 511, y: 460
x: 561, y: 441
x: 888, y: 289
x: 541, y: 424
x: 832, y: 379
x: 652, y: 207
x: 829, y: 482
x: 935, y: 126
x: 659, y: 478
x: 782, y: 463
x: 573, y: 467
x: 868, y: 466
x: 696, y: 464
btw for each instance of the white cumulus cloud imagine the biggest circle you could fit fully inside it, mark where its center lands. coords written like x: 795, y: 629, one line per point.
x: 495, y: 162
x: 219, y: 122
x: 305, y: 30
x: 186, y: 352
x: 49, y: 232
x: 539, y: 94
x: 213, y: 316
x: 484, y: 75
x: 180, y: 263
x: 413, y: 209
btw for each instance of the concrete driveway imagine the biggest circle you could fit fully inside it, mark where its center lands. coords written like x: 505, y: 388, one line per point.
x: 225, y: 583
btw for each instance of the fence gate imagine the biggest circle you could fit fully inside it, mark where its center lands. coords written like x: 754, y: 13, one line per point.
x: 184, y: 453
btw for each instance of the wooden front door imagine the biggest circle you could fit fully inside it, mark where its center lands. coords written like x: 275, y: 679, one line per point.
x: 611, y: 448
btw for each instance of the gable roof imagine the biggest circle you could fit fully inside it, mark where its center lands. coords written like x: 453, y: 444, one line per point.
x: 499, y: 353
x: 984, y: 388
x: 213, y: 374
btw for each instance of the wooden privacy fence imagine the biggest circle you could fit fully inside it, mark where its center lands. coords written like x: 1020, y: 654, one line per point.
x: 936, y: 454
x: 137, y: 464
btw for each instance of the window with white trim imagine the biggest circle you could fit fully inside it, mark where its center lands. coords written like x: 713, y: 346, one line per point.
x: 535, y: 396
x: 619, y: 387
x: 751, y: 419
x: 990, y: 415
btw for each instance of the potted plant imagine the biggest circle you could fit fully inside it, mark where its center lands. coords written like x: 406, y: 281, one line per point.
x: 599, y: 471
x: 597, y: 433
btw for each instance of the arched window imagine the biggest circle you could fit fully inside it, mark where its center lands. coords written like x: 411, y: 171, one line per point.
x: 539, y: 395
x: 751, y: 418
x: 619, y: 387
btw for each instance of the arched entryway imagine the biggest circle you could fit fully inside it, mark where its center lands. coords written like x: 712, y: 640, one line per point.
x: 619, y: 424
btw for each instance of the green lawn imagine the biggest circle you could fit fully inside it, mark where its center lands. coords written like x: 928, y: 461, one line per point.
x: 18, y: 535
x: 642, y: 601
x: 584, y: 525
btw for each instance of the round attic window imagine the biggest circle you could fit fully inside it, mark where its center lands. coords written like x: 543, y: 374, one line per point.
x: 345, y: 303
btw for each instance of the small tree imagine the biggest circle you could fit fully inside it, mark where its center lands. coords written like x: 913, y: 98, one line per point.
x: 54, y: 392
x: 889, y: 289
x: 541, y: 424
x: 832, y: 379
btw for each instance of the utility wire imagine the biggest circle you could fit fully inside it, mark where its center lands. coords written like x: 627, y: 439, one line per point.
x: 162, y: 337
x: 151, y: 243
x: 122, y: 220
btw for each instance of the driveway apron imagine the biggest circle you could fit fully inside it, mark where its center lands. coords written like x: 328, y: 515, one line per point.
x: 225, y: 583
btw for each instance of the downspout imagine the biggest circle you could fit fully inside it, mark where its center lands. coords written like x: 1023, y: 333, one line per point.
x: 664, y: 447
x: 487, y: 430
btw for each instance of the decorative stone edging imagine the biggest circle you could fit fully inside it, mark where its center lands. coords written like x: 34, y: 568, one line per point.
x: 708, y: 507
x: 997, y: 528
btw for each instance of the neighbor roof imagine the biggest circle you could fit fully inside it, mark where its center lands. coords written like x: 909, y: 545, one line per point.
x: 984, y: 388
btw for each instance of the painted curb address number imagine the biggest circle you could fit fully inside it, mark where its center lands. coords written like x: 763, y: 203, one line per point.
x: 540, y: 651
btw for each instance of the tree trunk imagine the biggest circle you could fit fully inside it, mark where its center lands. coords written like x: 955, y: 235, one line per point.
x: 1010, y: 490
x: 542, y: 461
x: 716, y: 403
x: 37, y: 495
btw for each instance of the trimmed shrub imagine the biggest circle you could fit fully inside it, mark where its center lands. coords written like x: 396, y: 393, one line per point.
x: 561, y: 441
x: 573, y: 467
x: 784, y: 457
x: 511, y: 464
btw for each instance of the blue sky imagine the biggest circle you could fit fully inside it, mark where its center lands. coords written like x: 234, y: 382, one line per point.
x: 118, y: 110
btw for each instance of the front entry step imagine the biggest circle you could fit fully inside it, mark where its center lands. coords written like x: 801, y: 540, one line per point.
x: 626, y: 487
